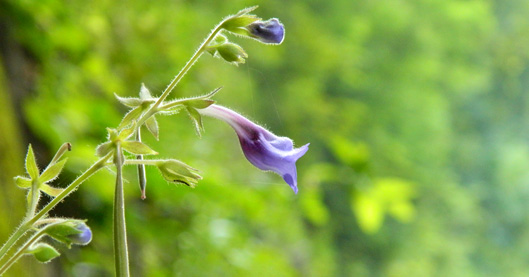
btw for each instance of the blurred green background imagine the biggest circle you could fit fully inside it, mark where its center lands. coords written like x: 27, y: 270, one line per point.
x: 417, y: 113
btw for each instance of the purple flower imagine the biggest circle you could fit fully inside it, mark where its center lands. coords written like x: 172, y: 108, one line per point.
x: 263, y: 149
x: 270, y: 31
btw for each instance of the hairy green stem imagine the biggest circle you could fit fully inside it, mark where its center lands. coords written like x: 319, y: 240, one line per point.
x: 28, y: 223
x: 21, y: 251
x: 121, y: 255
x: 154, y: 108
x: 34, y: 195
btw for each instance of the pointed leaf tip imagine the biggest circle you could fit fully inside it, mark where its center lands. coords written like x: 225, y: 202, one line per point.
x: 31, y: 164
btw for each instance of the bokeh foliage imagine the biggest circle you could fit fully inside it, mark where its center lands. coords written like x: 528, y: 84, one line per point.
x: 417, y: 113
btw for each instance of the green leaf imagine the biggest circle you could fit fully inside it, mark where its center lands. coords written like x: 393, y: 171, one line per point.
x: 129, y: 101
x: 43, y: 252
x: 51, y: 191
x: 132, y: 115
x: 369, y: 212
x: 31, y: 164
x: 197, y: 119
x: 104, y: 148
x: 152, y: 126
x: 138, y: 148
x: 51, y: 172
x: 23, y: 182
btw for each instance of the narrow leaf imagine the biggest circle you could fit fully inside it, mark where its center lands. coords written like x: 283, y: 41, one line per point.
x: 23, y: 182
x: 129, y: 101
x: 104, y: 148
x: 138, y: 148
x: 132, y: 115
x: 51, y: 191
x: 152, y: 126
x: 31, y: 164
x: 52, y: 171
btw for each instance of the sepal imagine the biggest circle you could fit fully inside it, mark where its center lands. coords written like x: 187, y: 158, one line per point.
x: 51, y: 191
x: 104, y: 148
x: 43, y: 252
x: 23, y: 182
x: 197, y: 119
x: 138, y: 148
x: 52, y: 171
x: 129, y: 101
x: 131, y: 116
x: 232, y: 53
x: 31, y: 164
x: 152, y: 126
x: 175, y: 171
x: 70, y: 232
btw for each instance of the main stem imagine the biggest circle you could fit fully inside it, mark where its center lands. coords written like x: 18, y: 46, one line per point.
x: 121, y: 257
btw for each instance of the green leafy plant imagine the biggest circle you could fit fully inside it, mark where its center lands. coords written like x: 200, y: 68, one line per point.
x: 124, y: 147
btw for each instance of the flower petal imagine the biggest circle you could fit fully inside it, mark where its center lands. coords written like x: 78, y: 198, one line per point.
x: 262, y: 148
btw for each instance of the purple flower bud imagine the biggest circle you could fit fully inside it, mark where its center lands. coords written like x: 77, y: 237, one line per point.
x: 82, y: 238
x: 70, y: 231
x: 263, y: 149
x: 270, y: 31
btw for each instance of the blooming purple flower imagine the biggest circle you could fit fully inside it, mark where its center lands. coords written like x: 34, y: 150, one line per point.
x: 263, y: 149
x: 270, y: 31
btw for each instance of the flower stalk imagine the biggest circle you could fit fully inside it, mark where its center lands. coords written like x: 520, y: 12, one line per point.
x: 121, y: 255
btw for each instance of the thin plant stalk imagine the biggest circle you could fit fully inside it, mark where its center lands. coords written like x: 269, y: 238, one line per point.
x: 121, y: 257
x: 21, y: 251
